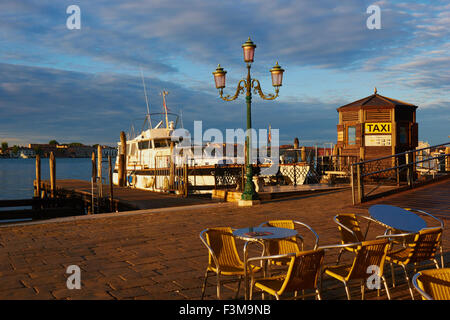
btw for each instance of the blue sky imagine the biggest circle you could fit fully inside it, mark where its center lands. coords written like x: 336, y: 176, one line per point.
x: 85, y: 86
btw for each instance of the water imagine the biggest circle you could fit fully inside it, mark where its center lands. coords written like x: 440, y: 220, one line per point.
x: 17, y: 175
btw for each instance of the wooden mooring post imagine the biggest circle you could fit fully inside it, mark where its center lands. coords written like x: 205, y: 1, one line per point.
x: 447, y: 159
x: 99, y: 171
x: 111, y: 195
x: 122, y: 166
x: 94, y: 167
x: 52, y: 164
x: 37, y: 190
x: 185, y: 179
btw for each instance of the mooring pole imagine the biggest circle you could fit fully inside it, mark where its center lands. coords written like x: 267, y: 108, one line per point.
x: 99, y: 172
x: 122, y: 166
x: 37, y: 190
x: 52, y: 164
x: 94, y: 166
x: 111, y: 196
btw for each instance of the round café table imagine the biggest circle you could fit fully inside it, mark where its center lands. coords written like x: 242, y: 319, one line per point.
x: 393, y: 217
x: 260, y: 234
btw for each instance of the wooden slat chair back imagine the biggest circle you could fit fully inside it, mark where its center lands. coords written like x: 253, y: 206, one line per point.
x: 223, y: 244
x: 433, y: 284
x: 352, y: 223
x: 302, y: 274
x: 283, y: 246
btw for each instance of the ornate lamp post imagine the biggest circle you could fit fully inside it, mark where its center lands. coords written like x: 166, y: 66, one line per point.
x: 246, y: 86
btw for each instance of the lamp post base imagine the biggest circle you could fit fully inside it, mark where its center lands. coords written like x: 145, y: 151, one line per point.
x: 248, y: 203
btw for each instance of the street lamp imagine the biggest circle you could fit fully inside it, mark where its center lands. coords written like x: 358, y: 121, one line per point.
x: 246, y: 86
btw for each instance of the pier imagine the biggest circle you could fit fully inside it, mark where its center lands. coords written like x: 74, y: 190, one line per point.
x: 156, y: 253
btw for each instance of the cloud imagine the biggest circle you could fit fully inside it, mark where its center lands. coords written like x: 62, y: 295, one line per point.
x: 60, y: 82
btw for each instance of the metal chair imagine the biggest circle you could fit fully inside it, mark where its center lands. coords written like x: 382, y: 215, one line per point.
x: 223, y: 259
x: 433, y: 284
x: 290, y: 245
x: 302, y: 274
x: 350, y: 229
x: 367, y: 254
x: 423, y: 248
x: 441, y: 225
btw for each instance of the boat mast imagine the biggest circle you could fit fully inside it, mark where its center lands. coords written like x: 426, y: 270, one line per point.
x: 146, y: 101
x: 164, y: 93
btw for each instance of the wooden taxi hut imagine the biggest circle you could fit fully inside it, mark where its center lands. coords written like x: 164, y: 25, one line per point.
x: 376, y: 126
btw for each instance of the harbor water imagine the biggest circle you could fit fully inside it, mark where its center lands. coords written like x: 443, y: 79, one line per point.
x: 17, y: 175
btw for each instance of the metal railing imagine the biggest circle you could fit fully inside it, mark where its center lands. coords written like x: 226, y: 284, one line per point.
x: 378, y: 177
x: 336, y: 163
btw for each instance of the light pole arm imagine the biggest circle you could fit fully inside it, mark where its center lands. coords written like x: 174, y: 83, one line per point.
x: 240, y: 89
x: 257, y: 89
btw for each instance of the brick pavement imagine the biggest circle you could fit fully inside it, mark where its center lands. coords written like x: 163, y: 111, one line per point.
x: 157, y: 254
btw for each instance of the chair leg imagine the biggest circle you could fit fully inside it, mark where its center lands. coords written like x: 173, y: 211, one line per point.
x: 204, y: 284
x: 408, y: 281
x: 436, y: 263
x: 347, y: 291
x: 218, y: 286
x: 386, y: 287
x: 339, y: 255
x: 238, y: 288
x: 393, y: 275
x: 362, y: 289
x: 318, y: 297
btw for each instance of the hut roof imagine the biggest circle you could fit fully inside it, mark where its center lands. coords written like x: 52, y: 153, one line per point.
x: 376, y: 100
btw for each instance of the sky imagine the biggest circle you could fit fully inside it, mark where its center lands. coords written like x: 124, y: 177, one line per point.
x: 84, y: 85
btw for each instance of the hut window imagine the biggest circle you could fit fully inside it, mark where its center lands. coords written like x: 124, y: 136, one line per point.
x: 351, y: 135
x: 403, y: 134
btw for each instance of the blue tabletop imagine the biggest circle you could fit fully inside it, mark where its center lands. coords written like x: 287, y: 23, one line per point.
x: 397, y: 218
x: 264, y: 233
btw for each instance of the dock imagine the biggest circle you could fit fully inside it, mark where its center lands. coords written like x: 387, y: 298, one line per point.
x: 73, y: 197
x: 125, y: 198
x: 157, y: 254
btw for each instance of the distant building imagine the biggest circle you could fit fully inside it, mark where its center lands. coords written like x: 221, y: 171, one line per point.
x: 109, y: 151
x: 63, y: 150
x: 81, y: 151
x: 27, y: 153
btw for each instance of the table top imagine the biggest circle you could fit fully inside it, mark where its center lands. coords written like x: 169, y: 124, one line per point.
x: 264, y: 233
x: 397, y: 218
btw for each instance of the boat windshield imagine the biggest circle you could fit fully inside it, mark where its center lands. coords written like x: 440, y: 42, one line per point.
x: 161, y: 143
x: 144, y: 144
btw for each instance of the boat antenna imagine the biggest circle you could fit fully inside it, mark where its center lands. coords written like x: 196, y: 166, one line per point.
x: 146, y: 100
x: 181, y: 118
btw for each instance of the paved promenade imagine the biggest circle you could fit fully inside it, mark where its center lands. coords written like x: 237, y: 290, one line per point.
x: 157, y: 254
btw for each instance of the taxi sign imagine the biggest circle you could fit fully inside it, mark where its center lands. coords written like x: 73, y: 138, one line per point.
x: 378, y: 127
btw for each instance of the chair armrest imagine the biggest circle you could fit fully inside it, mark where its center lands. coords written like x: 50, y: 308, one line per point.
x: 337, y: 246
x: 416, y: 286
x: 316, y: 242
x: 428, y: 214
x: 345, y: 227
x: 211, y: 252
x: 278, y: 256
x: 395, y: 235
